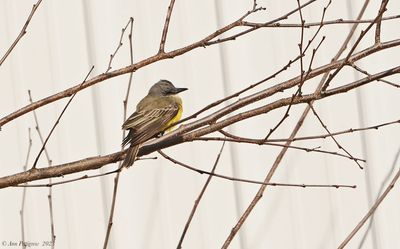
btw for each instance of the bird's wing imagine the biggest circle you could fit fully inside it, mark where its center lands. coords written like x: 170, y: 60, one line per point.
x: 145, y: 124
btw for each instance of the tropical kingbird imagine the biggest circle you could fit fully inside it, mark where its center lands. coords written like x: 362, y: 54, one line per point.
x: 154, y: 114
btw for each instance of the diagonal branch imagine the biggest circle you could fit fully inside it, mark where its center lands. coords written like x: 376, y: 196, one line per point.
x: 57, y: 122
x: 333, y: 138
x: 197, y: 201
x: 353, y: 65
x: 382, y: 10
x: 22, y: 33
x: 49, y: 163
x: 371, y: 211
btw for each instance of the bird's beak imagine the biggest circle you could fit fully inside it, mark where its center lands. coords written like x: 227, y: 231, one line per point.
x: 178, y: 90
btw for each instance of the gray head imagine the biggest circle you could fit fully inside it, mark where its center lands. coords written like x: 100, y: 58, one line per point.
x: 165, y: 88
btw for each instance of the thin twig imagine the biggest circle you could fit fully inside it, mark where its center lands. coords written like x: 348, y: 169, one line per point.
x: 124, y: 103
x: 381, y: 189
x: 112, y: 56
x: 237, y: 139
x: 333, y: 138
x: 166, y: 26
x: 57, y: 121
x: 235, y: 179
x: 371, y: 211
x: 197, y: 201
x: 351, y: 130
x: 251, y: 29
x: 21, y: 212
x: 315, y: 24
x: 84, y: 177
x: 111, y: 217
x: 22, y: 33
x: 382, y: 9
x: 302, y: 21
x: 353, y: 65
x: 49, y: 163
x: 49, y: 185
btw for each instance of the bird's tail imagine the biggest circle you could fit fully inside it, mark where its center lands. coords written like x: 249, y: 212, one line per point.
x: 130, y: 156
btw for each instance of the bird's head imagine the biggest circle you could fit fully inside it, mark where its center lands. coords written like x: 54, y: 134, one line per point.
x: 165, y: 88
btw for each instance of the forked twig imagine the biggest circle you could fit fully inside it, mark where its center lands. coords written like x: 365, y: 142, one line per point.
x: 112, y: 56
x: 353, y: 65
x: 333, y: 138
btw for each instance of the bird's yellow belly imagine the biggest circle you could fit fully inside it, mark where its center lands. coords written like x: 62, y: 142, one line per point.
x: 175, y: 119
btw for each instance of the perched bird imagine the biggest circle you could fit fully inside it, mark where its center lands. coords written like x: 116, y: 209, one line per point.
x: 154, y: 114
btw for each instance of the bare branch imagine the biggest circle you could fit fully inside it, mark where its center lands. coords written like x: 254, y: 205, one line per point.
x: 316, y: 24
x: 333, y: 138
x: 111, y: 217
x: 301, y: 55
x: 351, y: 130
x: 21, y: 211
x: 235, y: 179
x: 22, y: 33
x: 301, y: 46
x: 380, y: 191
x: 285, y: 85
x: 353, y: 65
x: 237, y: 139
x: 382, y: 10
x: 166, y: 26
x: 251, y: 29
x: 137, y: 66
x: 112, y: 56
x: 371, y: 211
x: 128, y: 69
x: 180, y: 135
x: 353, y: 48
x: 84, y: 177
x: 49, y: 163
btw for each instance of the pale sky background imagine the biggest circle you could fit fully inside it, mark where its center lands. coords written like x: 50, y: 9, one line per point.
x: 65, y: 38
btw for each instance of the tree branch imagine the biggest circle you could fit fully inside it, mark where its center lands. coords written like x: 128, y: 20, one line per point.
x: 183, y: 134
x: 370, y: 212
x: 22, y: 33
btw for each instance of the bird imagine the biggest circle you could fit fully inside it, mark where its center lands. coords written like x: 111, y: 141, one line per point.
x: 154, y: 114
